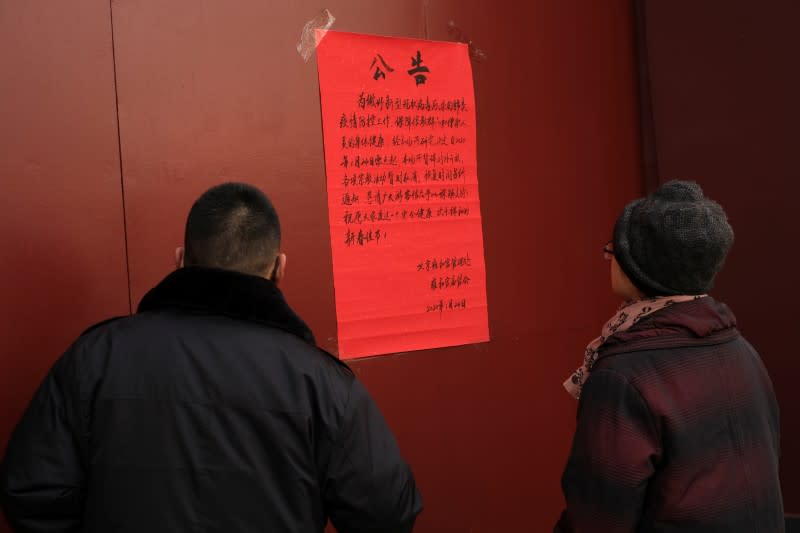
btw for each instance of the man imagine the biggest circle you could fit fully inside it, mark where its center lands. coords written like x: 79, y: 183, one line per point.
x: 209, y: 410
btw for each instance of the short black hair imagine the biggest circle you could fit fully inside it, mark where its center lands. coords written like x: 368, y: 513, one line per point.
x: 233, y: 226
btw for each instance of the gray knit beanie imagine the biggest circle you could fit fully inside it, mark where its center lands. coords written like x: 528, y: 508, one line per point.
x: 673, y: 241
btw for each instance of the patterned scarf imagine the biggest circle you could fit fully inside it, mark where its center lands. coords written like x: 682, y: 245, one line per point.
x: 628, y: 314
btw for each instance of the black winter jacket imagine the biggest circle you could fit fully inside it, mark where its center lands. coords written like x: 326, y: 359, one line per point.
x: 210, y: 410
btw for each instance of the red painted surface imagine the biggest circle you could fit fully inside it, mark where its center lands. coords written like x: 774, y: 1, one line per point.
x: 214, y: 89
x: 725, y: 111
x: 61, y: 223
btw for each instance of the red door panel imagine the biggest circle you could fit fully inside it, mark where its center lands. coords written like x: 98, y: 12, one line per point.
x: 725, y: 113
x: 213, y: 89
x: 62, y: 263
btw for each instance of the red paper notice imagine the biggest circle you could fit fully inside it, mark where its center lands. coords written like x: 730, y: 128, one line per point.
x: 399, y: 129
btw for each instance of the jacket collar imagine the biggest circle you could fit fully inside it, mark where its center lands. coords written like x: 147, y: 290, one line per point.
x: 699, y: 322
x: 223, y: 292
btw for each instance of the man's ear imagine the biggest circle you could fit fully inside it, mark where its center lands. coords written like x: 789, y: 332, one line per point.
x: 179, y: 254
x: 280, y: 268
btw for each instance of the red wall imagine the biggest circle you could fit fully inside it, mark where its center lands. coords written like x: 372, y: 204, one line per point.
x: 215, y: 89
x: 61, y: 222
x: 726, y: 107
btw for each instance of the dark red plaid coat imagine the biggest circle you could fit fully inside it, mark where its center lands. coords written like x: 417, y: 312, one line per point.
x: 677, y: 431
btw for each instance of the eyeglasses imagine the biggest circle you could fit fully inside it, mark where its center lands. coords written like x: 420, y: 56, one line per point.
x: 608, y: 252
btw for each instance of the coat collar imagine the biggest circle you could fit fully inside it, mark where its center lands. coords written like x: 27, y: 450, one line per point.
x: 699, y: 322
x: 223, y: 292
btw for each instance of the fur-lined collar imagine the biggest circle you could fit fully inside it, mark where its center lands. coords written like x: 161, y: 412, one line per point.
x: 224, y: 292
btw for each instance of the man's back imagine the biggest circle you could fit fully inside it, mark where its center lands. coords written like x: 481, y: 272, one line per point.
x: 209, y: 411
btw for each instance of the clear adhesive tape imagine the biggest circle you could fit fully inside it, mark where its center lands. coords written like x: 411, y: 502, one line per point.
x: 308, y: 38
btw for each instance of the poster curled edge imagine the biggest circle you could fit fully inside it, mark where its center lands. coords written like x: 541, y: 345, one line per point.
x: 308, y: 36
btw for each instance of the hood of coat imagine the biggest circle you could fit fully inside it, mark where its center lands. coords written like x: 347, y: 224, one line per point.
x: 702, y: 321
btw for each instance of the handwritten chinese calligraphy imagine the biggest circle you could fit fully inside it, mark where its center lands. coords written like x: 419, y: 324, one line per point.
x: 402, y: 194
x: 378, y: 72
x: 417, y: 69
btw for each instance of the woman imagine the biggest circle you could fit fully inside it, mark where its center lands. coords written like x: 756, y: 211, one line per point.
x: 677, y: 425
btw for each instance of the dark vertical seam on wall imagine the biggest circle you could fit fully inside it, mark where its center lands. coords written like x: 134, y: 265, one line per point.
x: 647, y: 119
x: 425, y: 23
x: 119, y: 152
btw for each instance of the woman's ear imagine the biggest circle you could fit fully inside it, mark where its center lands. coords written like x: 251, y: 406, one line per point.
x: 621, y: 283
